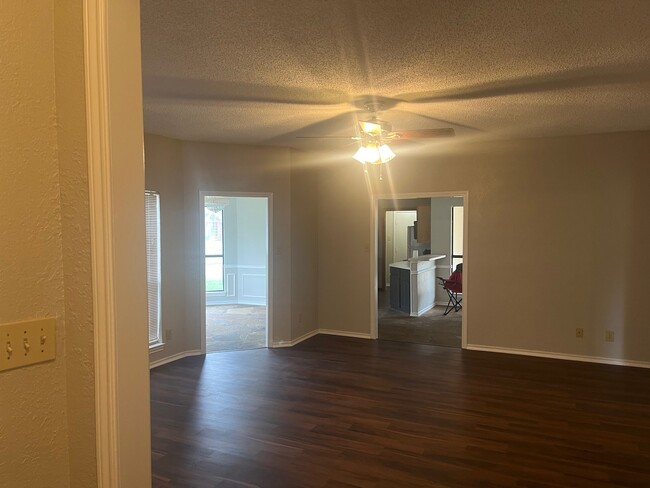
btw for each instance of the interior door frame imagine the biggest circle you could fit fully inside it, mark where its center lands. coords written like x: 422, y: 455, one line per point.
x: 114, y: 135
x: 269, y: 255
x: 381, y: 250
x: 374, y: 243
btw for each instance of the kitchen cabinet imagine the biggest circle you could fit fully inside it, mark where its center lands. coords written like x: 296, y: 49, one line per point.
x: 423, y: 235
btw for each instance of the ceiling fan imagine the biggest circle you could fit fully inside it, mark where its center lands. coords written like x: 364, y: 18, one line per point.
x: 374, y: 135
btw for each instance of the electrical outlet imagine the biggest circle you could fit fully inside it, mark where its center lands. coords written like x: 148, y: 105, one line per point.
x: 168, y: 335
x: 580, y: 332
x: 24, y: 343
x: 609, y: 335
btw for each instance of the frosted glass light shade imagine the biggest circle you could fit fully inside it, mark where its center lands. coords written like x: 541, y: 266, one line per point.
x: 373, y: 154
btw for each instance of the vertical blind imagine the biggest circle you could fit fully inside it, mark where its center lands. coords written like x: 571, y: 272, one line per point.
x: 152, y: 214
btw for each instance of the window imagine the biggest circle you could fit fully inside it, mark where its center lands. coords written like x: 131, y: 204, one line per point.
x: 214, y: 275
x: 152, y: 232
x: 456, y: 236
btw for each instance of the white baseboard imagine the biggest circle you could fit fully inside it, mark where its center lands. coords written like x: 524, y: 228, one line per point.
x: 424, y: 310
x: 344, y: 333
x: 303, y: 337
x: 308, y: 335
x: 174, y: 357
x: 558, y: 355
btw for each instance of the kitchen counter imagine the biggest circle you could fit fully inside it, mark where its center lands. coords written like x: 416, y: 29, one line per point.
x: 413, y: 284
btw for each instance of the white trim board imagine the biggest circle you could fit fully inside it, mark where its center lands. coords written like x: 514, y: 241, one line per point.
x: 174, y: 357
x: 559, y: 355
x: 298, y: 340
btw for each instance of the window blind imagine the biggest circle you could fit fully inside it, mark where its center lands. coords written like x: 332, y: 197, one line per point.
x: 152, y: 215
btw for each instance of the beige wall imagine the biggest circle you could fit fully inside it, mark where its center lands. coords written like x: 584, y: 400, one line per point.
x: 558, y: 238
x: 229, y: 168
x: 343, y: 249
x: 304, y: 246
x: 164, y: 174
x: 181, y: 169
x: 33, y: 403
x: 73, y: 177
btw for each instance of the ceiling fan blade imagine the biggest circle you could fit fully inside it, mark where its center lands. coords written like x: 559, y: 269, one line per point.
x: 350, y: 138
x: 424, y: 133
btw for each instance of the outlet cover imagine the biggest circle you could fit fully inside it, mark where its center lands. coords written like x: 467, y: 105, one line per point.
x: 25, y: 343
x: 609, y: 335
x: 580, y: 332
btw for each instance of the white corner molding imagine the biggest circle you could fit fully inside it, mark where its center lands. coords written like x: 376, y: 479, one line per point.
x: 558, y: 355
x: 99, y: 179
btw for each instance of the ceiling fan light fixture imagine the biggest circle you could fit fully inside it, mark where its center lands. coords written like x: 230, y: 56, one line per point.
x: 374, y: 154
x: 385, y: 153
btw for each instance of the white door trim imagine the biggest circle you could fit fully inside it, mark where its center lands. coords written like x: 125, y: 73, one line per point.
x: 99, y: 181
x: 374, y: 212
x: 115, y: 162
x: 269, y: 256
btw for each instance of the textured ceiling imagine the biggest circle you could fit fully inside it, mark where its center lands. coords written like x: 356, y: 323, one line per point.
x: 264, y: 72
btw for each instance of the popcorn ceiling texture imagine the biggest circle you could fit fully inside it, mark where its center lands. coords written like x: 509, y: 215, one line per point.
x: 33, y: 422
x: 256, y: 72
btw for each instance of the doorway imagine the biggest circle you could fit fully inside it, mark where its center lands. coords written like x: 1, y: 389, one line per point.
x: 235, y: 278
x: 411, y: 303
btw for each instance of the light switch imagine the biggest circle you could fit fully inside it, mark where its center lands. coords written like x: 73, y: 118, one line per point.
x: 27, y: 343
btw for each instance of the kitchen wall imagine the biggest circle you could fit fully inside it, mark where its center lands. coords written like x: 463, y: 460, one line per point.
x: 545, y: 216
x: 441, y: 239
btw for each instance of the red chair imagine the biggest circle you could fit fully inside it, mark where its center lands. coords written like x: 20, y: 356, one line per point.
x: 453, y: 286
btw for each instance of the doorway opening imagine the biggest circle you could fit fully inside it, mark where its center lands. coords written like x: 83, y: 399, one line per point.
x: 419, y: 243
x: 235, y: 278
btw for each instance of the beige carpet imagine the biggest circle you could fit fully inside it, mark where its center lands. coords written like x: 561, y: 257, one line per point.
x: 235, y: 327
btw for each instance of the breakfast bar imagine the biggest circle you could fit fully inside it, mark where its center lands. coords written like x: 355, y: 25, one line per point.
x: 413, y: 284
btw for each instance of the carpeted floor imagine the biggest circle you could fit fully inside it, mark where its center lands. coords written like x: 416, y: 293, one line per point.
x: 430, y: 328
x: 235, y: 327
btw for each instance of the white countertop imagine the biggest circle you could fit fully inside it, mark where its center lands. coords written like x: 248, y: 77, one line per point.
x: 416, y: 261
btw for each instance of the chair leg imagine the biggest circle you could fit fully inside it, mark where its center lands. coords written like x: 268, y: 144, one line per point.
x: 453, y: 303
x: 450, y: 305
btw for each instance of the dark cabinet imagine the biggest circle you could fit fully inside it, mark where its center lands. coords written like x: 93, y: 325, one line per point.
x: 400, y: 289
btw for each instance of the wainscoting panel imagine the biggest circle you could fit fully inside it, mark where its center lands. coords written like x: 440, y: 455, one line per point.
x: 253, y: 285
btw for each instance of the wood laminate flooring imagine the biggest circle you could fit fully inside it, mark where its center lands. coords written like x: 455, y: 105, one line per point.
x: 342, y: 412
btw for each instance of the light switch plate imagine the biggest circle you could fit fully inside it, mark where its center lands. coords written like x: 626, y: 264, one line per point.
x: 29, y: 342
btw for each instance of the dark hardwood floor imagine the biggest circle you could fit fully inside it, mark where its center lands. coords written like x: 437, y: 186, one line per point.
x: 339, y: 412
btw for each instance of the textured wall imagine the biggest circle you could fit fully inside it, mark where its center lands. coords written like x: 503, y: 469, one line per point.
x: 33, y: 419
x: 73, y: 165
x: 180, y: 169
x: 230, y: 168
x: 558, y: 233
